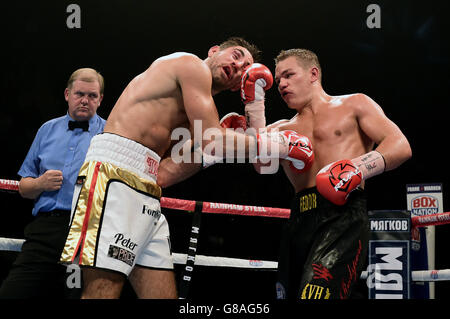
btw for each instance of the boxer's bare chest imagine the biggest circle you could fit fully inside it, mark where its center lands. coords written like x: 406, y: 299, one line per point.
x: 334, y: 133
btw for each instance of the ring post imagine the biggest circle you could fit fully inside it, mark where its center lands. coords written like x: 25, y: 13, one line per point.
x: 423, y: 200
x: 192, y: 251
x: 389, y: 274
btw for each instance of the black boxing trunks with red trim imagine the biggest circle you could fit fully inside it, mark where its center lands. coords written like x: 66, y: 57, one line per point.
x: 323, y: 248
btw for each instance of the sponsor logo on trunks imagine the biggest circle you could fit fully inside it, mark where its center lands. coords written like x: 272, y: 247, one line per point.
x: 155, y: 211
x: 389, y: 224
x: 308, y: 202
x: 315, y: 292
x: 424, y: 205
x: 121, y: 254
x: 353, y: 275
x: 152, y: 164
x: 321, y: 272
x: 124, y: 242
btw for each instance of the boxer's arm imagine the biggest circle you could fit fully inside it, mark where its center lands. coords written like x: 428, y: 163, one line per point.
x: 391, y: 142
x: 256, y: 79
x: 337, y: 180
x: 170, y: 173
x: 181, y: 161
x: 194, y: 78
x: 258, y: 165
x: 31, y: 188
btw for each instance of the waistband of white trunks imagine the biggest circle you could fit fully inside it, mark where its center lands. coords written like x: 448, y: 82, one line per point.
x: 124, y: 153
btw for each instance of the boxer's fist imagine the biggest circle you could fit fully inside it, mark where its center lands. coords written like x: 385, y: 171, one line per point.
x: 234, y: 121
x: 290, y: 145
x: 337, y: 180
x: 300, y: 154
x: 256, y: 79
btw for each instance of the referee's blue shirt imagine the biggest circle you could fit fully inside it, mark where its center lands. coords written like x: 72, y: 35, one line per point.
x: 56, y: 147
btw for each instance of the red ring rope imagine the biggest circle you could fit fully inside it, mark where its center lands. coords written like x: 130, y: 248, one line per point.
x: 189, y: 205
x: 246, y: 210
x: 9, y: 185
x: 431, y: 220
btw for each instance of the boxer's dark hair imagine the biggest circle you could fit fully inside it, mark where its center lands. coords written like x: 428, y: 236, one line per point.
x: 238, y: 41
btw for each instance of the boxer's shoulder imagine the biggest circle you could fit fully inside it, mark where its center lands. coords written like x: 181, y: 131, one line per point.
x: 178, y: 56
x: 355, y: 101
x: 281, y: 125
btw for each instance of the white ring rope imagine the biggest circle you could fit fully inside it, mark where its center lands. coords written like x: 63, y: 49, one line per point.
x: 422, y: 275
x: 213, y: 261
x: 11, y: 244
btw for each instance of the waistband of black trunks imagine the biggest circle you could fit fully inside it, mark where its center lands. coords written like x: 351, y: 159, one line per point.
x: 310, y: 199
x: 54, y: 213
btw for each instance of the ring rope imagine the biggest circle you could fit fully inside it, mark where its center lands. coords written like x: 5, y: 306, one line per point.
x: 431, y: 220
x: 15, y: 245
x: 9, y: 185
x: 189, y: 205
x: 248, y: 210
x: 421, y: 275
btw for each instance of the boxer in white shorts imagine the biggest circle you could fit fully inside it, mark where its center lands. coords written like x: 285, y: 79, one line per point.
x: 119, y: 230
x: 117, y: 221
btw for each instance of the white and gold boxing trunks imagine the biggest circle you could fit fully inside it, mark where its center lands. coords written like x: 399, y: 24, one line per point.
x: 116, y: 220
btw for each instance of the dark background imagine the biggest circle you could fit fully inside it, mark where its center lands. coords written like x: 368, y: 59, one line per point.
x: 403, y: 66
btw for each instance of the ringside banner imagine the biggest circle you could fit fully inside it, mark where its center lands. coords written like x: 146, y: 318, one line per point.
x: 389, y: 274
x: 423, y: 200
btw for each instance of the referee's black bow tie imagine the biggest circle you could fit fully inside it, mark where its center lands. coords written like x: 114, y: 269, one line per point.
x: 79, y: 124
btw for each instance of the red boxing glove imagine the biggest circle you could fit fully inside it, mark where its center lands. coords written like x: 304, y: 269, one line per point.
x: 337, y: 180
x: 256, y: 79
x: 234, y: 121
x: 300, y: 155
x: 288, y: 145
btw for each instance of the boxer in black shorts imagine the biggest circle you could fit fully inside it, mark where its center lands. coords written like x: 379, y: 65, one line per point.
x: 323, y: 247
x: 327, y: 235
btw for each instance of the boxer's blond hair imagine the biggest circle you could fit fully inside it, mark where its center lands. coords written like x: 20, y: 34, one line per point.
x: 238, y: 41
x: 87, y: 75
x: 306, y: 58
